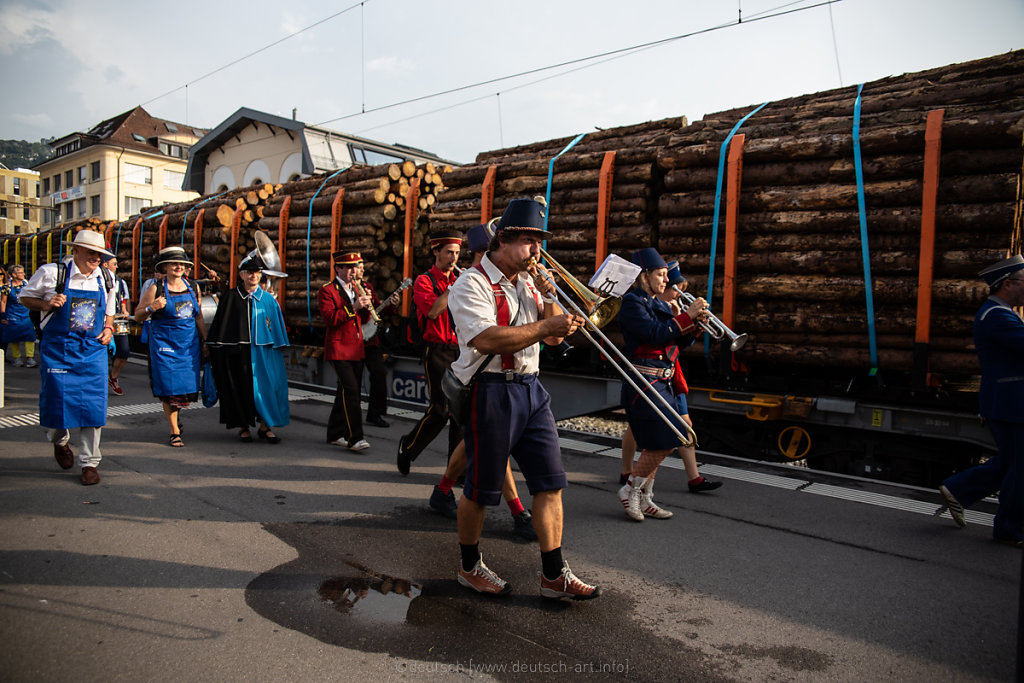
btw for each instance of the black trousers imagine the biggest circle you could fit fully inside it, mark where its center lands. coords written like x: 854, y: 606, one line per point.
x: 346, y: 420
x: 378, y: 382
x: 439, y: 358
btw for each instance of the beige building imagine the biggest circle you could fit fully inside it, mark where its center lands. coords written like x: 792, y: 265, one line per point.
x: 118, y: 168
x: 253, y: 147
x: 19, y: 201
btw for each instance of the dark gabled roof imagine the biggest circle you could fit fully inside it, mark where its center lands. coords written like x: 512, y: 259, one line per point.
x: 195, y: 174
x: 121, y: 130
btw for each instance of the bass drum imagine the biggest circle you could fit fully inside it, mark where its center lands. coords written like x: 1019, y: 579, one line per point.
x: 209, y: 308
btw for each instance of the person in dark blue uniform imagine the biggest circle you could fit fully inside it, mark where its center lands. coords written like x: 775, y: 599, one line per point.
x: 176, y: 337
x: 999, y: 340
x: 18, y: 331
x: 76, y: 323
x: 652, y: 333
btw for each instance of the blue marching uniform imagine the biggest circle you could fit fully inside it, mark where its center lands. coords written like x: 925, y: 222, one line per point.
x: 651, y: 333
x: 999, y: 340
x: 174, y: 345
x: 19, y: 327
x: 74, y: 363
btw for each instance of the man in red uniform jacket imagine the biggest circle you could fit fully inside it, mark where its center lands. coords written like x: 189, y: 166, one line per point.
x: 342, y: 310
x: 430, y: 294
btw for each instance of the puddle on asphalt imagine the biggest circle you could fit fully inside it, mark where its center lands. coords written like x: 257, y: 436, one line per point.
x: 373, y: 597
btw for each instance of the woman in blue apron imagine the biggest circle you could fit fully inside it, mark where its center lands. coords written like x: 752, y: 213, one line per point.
x: 19, y: 333
x: 176, y: 335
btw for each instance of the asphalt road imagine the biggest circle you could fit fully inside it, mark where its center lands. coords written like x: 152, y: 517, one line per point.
x: 304, y: 562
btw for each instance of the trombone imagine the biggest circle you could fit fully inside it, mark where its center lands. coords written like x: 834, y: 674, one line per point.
x: 712, y: 325
x: 600, y: 309
x: 595, y: 303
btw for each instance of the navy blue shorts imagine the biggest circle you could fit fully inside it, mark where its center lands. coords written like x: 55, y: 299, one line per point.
x: 511, y: 418
x: 650, y: 430
x: 121, y: 349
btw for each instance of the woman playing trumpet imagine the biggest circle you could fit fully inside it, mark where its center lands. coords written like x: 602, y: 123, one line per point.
x: 695, y: 482
x: 652, y: 333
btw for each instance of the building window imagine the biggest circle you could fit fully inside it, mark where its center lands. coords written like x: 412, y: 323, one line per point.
x: 3, y: 210
x: 25, y: 213
x: 37, y: 188
x: 17, y: 185
x: 46, y: 186
x: 81, y: 175
x: 69, y: 179
x: 173, y: 180
x: 95, y: 171
x: 56, y: 183
x: 143, y: 175
x: 94, y: 200
x: 81, y: 208
x: 133, y: 205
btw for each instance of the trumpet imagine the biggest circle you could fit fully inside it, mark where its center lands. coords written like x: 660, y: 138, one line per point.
x: 600, y: 310
x: 690, y: 439
x: 713, y: 326
x: 361, y: 291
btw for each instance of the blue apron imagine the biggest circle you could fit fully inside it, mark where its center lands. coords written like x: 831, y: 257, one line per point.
x: 73, y: 371
x: 19, y: 327
x: 174, y: 352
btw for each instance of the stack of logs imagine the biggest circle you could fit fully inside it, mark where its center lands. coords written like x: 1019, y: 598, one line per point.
x: 799, y: 275
x: 373, y: 208
x: 523, y: 172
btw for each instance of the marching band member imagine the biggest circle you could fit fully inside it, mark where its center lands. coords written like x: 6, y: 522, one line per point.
x: 502, y: 314
x: 652, y: 332
x: 442, y: 499
x: 374, y: 361
x: 695, y: 482
x: 341, y: 309
x: 247, y: 339
x: 430, y: 294
x: 999, y: 340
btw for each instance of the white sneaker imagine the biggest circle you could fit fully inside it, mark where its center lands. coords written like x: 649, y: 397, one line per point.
x: 647, y: 502
x: 31, y: 363
x: 634, y: 491
x: 19, y: 362
x: 359, y: 446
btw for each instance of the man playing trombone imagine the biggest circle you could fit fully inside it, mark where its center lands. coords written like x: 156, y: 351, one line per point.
x: 652, y: 332
x: 502, y: 314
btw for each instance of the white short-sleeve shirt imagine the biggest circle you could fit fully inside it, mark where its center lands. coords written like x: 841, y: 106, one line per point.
x: 43, y: 285
x: 473, y: 307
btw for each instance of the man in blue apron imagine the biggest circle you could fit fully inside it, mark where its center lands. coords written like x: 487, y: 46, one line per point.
x: 76, y: 323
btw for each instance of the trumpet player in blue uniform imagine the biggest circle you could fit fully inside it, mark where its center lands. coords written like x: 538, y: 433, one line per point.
x: 652, y: 333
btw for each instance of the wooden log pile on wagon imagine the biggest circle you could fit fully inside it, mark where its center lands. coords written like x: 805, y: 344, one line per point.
x: 362, y: 209
x: 626, y: 156
x: 797, y: 275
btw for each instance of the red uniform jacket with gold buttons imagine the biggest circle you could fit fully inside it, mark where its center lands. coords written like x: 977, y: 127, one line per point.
x: 344, y: 339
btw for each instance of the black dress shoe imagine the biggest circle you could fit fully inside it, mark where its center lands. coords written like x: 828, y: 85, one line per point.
x: 404, y: 461
x: 704, y: 485
x: 377, y: 421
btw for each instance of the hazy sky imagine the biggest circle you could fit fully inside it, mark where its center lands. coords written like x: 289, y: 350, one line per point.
x: 75, y: 63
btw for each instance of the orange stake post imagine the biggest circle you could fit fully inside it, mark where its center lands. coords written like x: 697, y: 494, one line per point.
x: 236, y: 226
x: 487, y: 195
x: 136, y: 260
x: 733, y: 175
x: 197, y: 242
x: 604, y: 207
x: 926, y: 264
x: 412, y: 200
x: 282, y: 249
x: 336, y: 209
x: 162, y: 233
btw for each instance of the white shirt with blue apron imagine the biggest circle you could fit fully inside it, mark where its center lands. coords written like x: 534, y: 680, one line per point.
x: 19, y: 327
x: 73, y: 391
x: 174, y: 349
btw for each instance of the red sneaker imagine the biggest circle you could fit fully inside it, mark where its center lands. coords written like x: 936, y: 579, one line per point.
x: 567, y: 587
x: 483, y: 580
x: 115, y: 387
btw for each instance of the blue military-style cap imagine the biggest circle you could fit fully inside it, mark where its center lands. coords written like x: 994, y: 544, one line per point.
x: 674, y: 276
x: 477, y: 238
x: 998, y: 272
x: 524, y: 215
x: 648, y: 258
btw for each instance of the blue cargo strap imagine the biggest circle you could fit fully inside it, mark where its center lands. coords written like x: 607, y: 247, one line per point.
x: 718, y: 203
x: 551, y: 173
x: 184, y: 221
x: 309, y: 229
x: 864, y: 251
x: 142, y: 232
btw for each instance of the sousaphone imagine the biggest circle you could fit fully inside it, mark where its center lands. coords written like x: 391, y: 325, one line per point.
x: 267, y: 254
